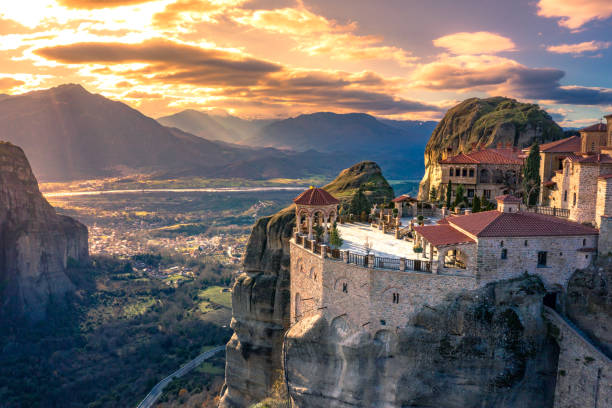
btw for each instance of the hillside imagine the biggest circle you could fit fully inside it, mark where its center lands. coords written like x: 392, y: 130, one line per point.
x: 326, y: 131
x: 226, y: 128
x: 69, y: 133
x: 260, y: 296
x: 485, y: 122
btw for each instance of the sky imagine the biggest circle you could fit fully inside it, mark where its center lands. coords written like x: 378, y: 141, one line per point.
x: 397, y: 59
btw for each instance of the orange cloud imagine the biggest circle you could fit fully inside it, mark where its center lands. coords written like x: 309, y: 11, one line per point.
x: 480, y: 42
x: 142, y: 95
x: 166, y: 61
x: 579, y: 48
x: 99, y: 4
x: 8, y: 83
x: 574, y: 14
x: 183, y: 13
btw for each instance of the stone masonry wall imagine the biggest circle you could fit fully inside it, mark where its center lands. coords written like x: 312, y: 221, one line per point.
x: 563, y: 258
x: 368, y: 300
x: 605, y: 235
x: 604, y: 199
x: 584, y: 374
x: 583, y: 183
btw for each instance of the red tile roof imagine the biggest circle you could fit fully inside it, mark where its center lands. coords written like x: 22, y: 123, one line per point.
x: 598, y: 127
x: 442, y: 235
x: 508, y: 198
x: 569, y: 145
x: 520, y: 224
x: 605, y: 176
x: 404, y: 197
x: 315, y: 196
x: 488, y: 156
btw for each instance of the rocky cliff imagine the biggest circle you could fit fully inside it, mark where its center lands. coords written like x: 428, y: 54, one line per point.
x: 260, y: 297
x: 36, y: 244
x: 485, y: 348
x: 484, y: 123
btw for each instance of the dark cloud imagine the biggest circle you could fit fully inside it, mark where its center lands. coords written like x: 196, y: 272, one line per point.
x: 168, y: 61
x: 99, y: 4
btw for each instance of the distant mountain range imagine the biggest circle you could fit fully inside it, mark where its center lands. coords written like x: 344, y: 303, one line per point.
x: 69, y: 133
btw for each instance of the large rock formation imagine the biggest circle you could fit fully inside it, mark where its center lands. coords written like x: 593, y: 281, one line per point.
x: 485, y: 348
x: 484, y: 123
x: 36, y: 244
x: 260, y: 298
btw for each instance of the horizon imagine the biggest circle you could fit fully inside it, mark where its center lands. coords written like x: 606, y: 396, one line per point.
x: 282, y: 58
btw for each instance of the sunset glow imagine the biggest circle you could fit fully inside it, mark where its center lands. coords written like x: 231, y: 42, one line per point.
x: 264, y: 58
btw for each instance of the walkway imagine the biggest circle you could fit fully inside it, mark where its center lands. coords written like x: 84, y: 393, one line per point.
x: 156, y: 392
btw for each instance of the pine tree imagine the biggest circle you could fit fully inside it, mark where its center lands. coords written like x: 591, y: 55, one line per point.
x: 531, y: 176
x: 335, y: 239
x: 459, y: 199
x: 476, y: 205
x: 433, y: 194
x: 449, y: 192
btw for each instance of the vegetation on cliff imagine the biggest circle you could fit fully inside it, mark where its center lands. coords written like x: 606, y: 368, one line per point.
x: 485, y: 123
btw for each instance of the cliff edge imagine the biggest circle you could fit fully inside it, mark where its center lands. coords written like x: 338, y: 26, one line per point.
x: 35, y: 243
x: 260, y: 296
x: 484, y: 123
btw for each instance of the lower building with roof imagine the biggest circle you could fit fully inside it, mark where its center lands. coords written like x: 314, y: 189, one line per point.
x: 507, y: 242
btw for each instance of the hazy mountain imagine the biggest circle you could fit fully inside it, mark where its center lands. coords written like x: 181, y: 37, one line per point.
x: 325, y: 131
x: 69, y: 133
x: 226, y: 128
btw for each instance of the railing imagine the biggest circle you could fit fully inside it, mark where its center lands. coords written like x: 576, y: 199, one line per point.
x: 317, y: 249
x: 361, y: 260
x: 387, y: 263
x: 555, y: 212
x: 335, y: 253
x: 418, y: 265
x: 299, y: 239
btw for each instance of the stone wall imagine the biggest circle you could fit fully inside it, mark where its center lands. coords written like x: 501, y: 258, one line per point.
x: 564, y: 256
x: 364, y: 296
x: 604, y: 199
x: 584, y: 374
x: 583, y: 184
x: 605, y: 236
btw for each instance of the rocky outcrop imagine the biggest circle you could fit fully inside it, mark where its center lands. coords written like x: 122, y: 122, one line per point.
x: 588, y: 302
x: 484, y: 348
x: 36, y: 244
x: 484, y: 123
x: 260, y: 297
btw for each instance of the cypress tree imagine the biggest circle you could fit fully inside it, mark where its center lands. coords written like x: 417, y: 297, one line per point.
x: 531, y: 176
x: 449, y: 192
x: 476, y: 205
x: 459, y: 196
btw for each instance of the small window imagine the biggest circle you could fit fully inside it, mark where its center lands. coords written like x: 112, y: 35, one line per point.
x: 565, y: 195
x: 395, y: 298
x: 471, y: 172
x: 574, y: 199
x: 501, y: 244
x: 526, y: 242
x: 470, y: 192
x: 345, y: 287
x: 560, y: 253
x: 451, y: 172
x: 584, y: 242
x: 504, y: 253
x: 464, y: 172
x: 487, y: 193
x: 383, y: 322
x: 542, y: 259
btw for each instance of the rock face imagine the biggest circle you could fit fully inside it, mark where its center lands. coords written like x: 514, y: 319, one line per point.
x: 484, y: 123
x: 485, y: 348
x: 588, y: 302
x: 35, y: 243
x: 260, y: 297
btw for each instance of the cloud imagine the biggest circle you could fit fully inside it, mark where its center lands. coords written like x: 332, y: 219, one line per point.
x: 8, y: 83
x: 99, y: 4
x: 580, y: 48
x: 497, y: 75
x: 481, y: 42
x: 142, y: 95
x: 574, y: 14
x: 317, y: 35
x: 165, y: 60
x: 182, y: 14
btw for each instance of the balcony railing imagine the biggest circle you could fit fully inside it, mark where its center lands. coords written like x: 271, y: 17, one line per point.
x: 556, y: 212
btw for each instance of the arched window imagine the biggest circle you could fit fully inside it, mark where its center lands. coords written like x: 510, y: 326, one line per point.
x: 344, y: 287
x: 504, y: 253
x: 451, y: 172
x: 584, y: 242
x: 501, y: 244
x: 464, y: 172
x: 574, y: 199
x: 395, y: 297
x: 565, y: 195
x: 526, y: 242
x: 471, y: 172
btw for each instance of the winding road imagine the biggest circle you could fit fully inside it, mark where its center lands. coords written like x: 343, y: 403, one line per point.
x: 156, y: 391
